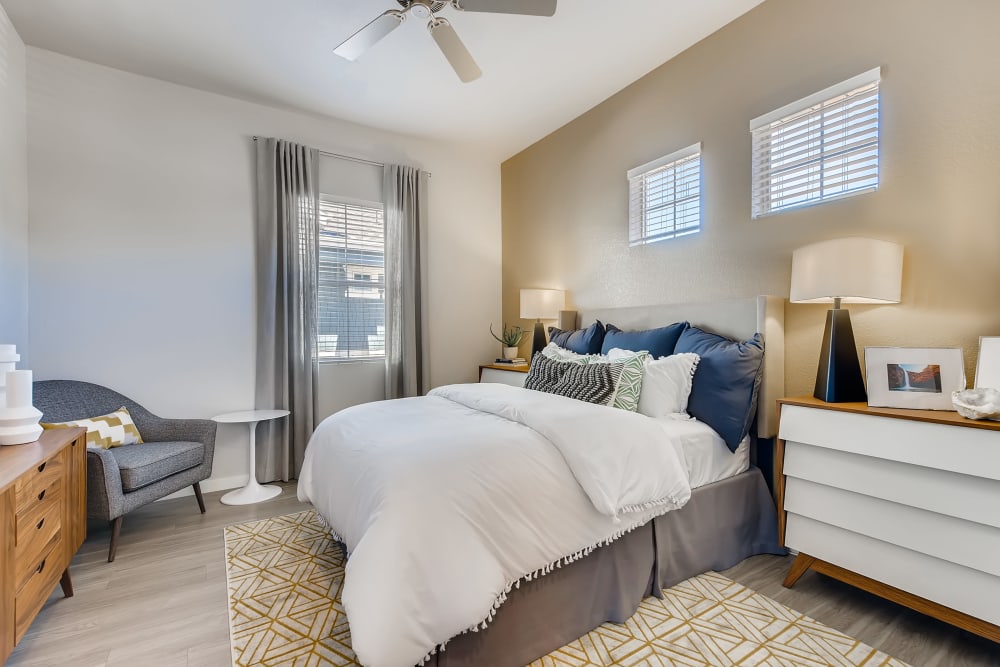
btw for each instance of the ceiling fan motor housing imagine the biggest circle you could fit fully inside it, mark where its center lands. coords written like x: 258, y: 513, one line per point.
x: 422, y: 9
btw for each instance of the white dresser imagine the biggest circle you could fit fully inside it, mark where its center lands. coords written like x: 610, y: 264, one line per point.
x: 902, y: 503
x: 503, y: 374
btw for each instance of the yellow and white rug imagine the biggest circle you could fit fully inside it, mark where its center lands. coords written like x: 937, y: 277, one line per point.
x: 285, y: 576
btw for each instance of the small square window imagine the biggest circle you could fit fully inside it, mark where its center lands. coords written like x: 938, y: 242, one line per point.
x: 822, y: 147
x: 665, y: 197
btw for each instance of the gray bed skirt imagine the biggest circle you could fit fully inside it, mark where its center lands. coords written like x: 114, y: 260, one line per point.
x: 721, y: 525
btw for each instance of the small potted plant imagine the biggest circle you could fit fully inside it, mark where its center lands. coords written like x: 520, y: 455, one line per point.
x: 510, y: 339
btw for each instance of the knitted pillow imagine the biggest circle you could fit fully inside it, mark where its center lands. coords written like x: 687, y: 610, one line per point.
x: 107, y: 431
x: 593, y: 383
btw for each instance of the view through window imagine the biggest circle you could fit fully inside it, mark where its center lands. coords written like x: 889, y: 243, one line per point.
x: 351, y: 279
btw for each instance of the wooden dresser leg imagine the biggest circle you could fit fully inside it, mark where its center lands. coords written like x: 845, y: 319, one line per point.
x: 66, y: 583
x: 116, y: 528
x: 801, y: 563
x: 197, y: 494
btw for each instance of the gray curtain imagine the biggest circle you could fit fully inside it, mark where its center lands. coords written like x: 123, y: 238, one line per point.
x: 404, y: 190
x: 287, y: 260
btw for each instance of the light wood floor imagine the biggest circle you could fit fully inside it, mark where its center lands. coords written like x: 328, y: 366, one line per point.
x: 163, y: 600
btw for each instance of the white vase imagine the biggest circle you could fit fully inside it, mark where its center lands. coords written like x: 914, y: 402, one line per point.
x: 510, y: 353
x: 19, y: 419
x: 8, y: 361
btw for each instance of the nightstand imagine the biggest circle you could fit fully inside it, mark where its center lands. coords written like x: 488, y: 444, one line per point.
x: 901, y: 503
x: 503, y: 374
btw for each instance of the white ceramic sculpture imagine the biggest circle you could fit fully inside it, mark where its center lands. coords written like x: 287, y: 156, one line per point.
x: 8, y: 361
x: 19, y: 418
x: 977, y: 403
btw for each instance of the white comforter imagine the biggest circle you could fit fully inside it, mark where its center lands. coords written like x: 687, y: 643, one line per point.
x: 445, y: 501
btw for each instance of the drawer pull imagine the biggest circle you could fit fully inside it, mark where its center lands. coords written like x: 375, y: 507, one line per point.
x: 41, y: 566
x: 39, y: 526
x: 42, y: 494
x: 42, y: 467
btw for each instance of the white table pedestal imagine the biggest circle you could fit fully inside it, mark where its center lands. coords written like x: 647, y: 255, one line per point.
x: 254, y: 491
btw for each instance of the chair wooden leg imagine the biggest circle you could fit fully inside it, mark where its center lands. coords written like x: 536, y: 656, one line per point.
x: 116, y: 529
x: 197, y: 494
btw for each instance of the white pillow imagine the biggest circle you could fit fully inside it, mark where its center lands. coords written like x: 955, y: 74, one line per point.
x: 666, y: 385
x: 553, y: 351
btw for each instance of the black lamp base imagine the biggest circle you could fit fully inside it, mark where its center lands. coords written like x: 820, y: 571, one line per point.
x: 839, y: 377
x: 538, y: 341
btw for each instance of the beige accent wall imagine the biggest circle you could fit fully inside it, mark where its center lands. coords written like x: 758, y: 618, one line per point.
x: 565, y: 198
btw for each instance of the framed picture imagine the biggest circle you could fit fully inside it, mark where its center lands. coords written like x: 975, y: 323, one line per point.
x: 988, y: 366
x: 914, y: 377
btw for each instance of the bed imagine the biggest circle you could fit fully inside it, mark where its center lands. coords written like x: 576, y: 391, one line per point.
x: 725, y: 512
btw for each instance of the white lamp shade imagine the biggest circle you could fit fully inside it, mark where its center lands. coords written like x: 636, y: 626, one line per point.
x: 855, y: 270
x: 542, y: 304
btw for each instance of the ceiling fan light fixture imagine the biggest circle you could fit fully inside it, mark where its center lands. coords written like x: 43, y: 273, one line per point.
x: 441, y: 31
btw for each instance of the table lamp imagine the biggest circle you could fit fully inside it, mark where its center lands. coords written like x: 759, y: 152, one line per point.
x: 848, y: 270
x: 538, y: 305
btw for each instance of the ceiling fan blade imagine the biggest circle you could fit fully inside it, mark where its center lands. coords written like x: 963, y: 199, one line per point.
x: 454, y: 50
x: 355, y: 45
x: 527, y: 7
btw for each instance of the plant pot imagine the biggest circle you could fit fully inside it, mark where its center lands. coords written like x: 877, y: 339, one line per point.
x: 510, y: 353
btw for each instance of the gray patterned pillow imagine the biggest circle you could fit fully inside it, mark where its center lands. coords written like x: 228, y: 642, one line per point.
x: 594, y: 383
x: 545, y: 373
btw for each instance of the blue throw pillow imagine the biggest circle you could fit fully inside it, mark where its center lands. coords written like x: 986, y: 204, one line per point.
x: 581, y: 341
x: 724, y: 389
x: 658, y: 342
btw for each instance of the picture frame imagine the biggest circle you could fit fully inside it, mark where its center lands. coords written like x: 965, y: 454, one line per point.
x: 988, y: 364
x: 919, y: 378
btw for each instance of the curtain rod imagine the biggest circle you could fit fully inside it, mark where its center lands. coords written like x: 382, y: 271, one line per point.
x: 351, y: 158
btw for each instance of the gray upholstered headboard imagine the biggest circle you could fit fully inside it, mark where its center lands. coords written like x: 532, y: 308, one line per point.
x: 738, y: 319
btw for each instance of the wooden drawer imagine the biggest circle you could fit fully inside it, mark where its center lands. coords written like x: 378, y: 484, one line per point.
x: 38, y: 483
x: 34, y: 534
x: 36, y: 589
x: 46, y: 559
x: 26, y: 521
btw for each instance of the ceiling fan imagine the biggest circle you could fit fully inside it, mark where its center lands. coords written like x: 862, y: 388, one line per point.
x: 440, y: 28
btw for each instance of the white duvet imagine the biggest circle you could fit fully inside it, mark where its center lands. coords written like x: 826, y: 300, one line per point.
x: 446, y: 501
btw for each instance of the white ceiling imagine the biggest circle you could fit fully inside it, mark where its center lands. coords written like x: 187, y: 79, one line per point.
x: 538, y: 73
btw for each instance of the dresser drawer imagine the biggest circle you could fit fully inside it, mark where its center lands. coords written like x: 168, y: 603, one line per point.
x: 47, y: 558
x: 36, y: 589
x: 35, y: 530
x: 39, y: 482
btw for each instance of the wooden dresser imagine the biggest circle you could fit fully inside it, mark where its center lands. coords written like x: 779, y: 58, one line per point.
x: 43, y: 521
x: 902, y: 503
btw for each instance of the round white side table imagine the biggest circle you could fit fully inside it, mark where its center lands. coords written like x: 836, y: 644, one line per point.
x: 254, y: 491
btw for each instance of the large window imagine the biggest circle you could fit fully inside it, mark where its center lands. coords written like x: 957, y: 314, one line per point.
x: 351, y: 279
x: 665, y: 197
x: 822, y: 147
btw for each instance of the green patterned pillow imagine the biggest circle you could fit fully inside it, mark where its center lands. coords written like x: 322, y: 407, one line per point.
x: 629, y: 385
x: 107, y: 431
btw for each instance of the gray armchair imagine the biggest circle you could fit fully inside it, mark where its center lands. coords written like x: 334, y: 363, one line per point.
x: 175, y: 452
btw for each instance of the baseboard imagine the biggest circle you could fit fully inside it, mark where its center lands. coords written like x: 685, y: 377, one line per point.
x: 209, y: 485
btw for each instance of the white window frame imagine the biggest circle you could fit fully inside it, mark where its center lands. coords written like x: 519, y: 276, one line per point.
x: 822, y: 169
x: 640, y: 212
x: 350, y: 201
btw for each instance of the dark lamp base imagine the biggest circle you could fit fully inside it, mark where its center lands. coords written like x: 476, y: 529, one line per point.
x: 839, y: 377
x: 538, y: 341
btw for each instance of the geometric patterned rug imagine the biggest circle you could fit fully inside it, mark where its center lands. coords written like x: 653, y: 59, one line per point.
x: 285, y: 574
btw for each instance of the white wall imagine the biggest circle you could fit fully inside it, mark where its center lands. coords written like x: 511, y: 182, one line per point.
x: 13, y: 191
x: 142, y: 241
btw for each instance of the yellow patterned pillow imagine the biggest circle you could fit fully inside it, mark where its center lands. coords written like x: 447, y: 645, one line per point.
x: 107, y: 431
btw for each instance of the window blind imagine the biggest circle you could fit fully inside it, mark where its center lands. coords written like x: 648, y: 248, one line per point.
x: 665, y: 197
x: 351, y: 299
x: 822, y: 147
